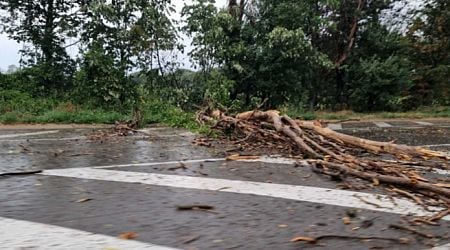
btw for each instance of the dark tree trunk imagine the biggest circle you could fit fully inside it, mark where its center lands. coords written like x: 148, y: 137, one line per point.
x: 47, y: 47
x: 340, y: 90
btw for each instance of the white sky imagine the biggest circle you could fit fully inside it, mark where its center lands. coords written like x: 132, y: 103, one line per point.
x: 9, y: 49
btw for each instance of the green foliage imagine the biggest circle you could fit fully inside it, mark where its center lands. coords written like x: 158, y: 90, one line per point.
x: 79, y: 116
x: 297, y: 56
x: 17, y: 107
x: 430, y: 37
x: 263, y: 58
x: 19, y: 102
x: 45, y: 25
x: 380, y: 85
x: 64, y: 116
x: 100, y: 83
x: 156, y: 110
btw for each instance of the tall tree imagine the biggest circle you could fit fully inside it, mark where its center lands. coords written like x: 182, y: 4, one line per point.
x: 120, y: 37
x: 430, y: 36
x: 43, y: 26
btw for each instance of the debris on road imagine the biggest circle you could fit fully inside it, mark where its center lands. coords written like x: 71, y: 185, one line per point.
x: 314, y: 240
x: 180, y: 166
x: 412, y: 230
x: 341, y: 156
x: 205, y: 208
x: 83, y: 200
x: 21, y: 173
x: 128, y: 235
x: 238, y: 157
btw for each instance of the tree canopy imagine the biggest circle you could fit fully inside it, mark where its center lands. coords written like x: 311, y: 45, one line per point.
x: 313, y: 54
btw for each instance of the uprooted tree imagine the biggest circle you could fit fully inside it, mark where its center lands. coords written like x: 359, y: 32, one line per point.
x: 328, y: 152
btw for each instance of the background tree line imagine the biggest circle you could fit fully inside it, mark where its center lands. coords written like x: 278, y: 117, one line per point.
x: 363, y: 55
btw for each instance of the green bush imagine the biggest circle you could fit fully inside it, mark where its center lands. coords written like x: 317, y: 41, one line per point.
x: 156, y: 110
x: 380, y: 85
x: 16, y: 101
x: 101, y: 83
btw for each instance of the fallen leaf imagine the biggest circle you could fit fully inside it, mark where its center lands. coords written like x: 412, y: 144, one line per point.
x: 128, y: 235
x: 191, y: 239
x: 238, y: 157
x: 194, y: 207
x: 375, y: 182
x: 366, y: 223
x: 303, y: 238
x: 83, y: 200
x: 346, y: 220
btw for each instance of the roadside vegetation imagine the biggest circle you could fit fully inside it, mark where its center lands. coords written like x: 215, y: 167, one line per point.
x: 311, y: 59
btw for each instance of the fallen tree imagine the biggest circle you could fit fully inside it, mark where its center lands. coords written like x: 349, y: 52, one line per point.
x: 340, y: 155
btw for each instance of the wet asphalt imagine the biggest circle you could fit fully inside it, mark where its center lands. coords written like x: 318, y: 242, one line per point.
x: 239, y: 221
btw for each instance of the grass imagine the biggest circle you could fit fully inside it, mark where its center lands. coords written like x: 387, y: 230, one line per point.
x: 59, y: 116
x: 154, y: 111
x: 16, y: 107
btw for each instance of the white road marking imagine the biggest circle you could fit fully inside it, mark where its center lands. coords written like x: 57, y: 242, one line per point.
x: 382, y: 124
x: 19, y: 234
x: 263, y: 159
x: 160, y: 163
x: 29, y: 134
x: 424, y: 123
x: 301, y: 193
x: 47, y: 139
x: 436, y: 145
x: 335, y: 126
x: 276, y: 160
x: 443, y: 247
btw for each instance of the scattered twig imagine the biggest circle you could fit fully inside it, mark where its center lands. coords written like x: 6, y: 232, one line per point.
x: 440, y: 215
x: 21, y: 173
x: 191, y: 239
x: 205, y: 208
x: 368, y: 202
x: 411, y: 196
x: 412, y: 230
x: 83, y: 200
x: 180, y: 166
x: 314, y: 240
x: 81, y: 154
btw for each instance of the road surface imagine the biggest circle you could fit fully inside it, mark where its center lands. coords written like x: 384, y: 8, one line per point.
x: 93, y: 190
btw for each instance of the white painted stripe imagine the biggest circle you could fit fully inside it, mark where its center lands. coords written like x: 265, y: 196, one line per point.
x: 443, y: 247
x: 29, y: 134
x: 160, y: 163
x: 277, y: 160
x: 288, y: 161
x: 335, y: 126
x: 436, y: 145
x: 301, y: 193
x: 263, y: 159
x: 47, y: 139
x: 424, y: 123
x: 19, y: 234
x: 382, y: 124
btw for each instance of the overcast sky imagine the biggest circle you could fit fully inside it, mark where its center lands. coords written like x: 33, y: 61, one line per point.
x: 9, y: 49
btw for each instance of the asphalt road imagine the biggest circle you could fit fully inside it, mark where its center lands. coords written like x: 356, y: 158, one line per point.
x: 93, y: 190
